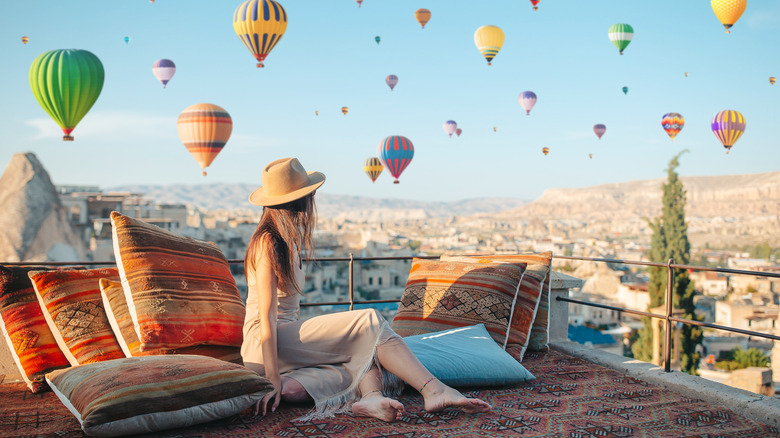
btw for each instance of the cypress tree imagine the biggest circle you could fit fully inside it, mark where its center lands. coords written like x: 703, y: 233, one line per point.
x: 670, y: 240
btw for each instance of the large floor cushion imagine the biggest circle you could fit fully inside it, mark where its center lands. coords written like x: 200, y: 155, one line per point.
x: 32, y: 344
x: 179, y: 291
x: 139, y: 395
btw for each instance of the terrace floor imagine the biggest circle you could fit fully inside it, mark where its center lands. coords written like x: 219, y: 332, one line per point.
x: 571, y: 397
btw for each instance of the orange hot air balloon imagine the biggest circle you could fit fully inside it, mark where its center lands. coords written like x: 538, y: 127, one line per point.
x: 422, y: 16
x: 728, y: 11
x: 344, y: 110
x: 545, y: 151
x: 772, y: 80
x: 204, y: 129
x: 25, y: 39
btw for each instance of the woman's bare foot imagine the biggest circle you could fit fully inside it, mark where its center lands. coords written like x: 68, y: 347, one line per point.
x: 442, y: 396
x: 378, y: 406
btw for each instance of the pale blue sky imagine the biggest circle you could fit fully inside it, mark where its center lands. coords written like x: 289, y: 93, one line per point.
x: 328, y: 59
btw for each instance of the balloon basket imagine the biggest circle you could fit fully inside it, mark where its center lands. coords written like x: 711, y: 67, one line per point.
x: 395, y: 182
x: 67, y: 137
x: 536, y: 8
x: 204, y: 173
x: 260, y: 65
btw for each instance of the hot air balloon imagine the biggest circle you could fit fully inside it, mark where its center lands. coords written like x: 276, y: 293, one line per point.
x: 422, y: 16
x: 127, y: 40
x: 772, y: 80
x: 344, y: 110
x: 25, y: 39
x: 686, y: 74
x: 66, y: 84
x: 373, y: 168
x: 316, y: 113
x: 204, y: 129
x: 527, y: 100
x: 599, y: 129
x: 450, y: 126
x: 625, y: 90
x: 458, y: 132
x: 163, y: 70
x: 260, y: 24
x: 395, y: 153
x: 391, y: 81
x: 590, y: 156
x: 728, y: 126
x: 728, y: 11
x: 545, y: 151
x: 535, y: 2
x: 359, y: 2
x: 495, y: 128
x: 377, y: 39
x: 489, y: 40
x: 621, y: 35
x: 673, y: 123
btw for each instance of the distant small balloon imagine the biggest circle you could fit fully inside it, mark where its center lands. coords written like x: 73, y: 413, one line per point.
x: 495, y: 128
x: 163, y: 70
x: 772, y: 80
x: 535, y: 2
x: 391, y: 81
x: 359, y: 2
x: 422, y: 16
x: 25, y: 39
x: 545, y: 151
x: 344, y: 110
x: 316, y: 113
x: 728, y: 126
x: 127, y: 40
x: 590, y: 156
x: 458, y: 132
x: 599, y: 129
x: 373, y: 168
x: 672, y: 123
x: 625, y: 90
x: 377, y: 39
x: 686, y: 74
x: 527, y: 100
x: 450, y: 126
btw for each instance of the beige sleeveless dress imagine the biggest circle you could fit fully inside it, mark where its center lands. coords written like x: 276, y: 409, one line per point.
x: 327, y: 354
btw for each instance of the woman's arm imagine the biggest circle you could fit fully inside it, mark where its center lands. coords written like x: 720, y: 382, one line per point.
x: 267, y: 311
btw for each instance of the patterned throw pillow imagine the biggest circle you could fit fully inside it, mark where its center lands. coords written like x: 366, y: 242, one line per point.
x: 71, y: 303
x: 441, y: 295
x: 29, y: 338
x: 537, y: 271
x: 137, y: 395
x: 179, y: 291
x: 122, y: 324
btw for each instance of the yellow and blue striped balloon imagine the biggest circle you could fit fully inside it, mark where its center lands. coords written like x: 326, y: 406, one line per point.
x: 728, y: 126
x: 489, y: 40
x: 260, y: 24
x: 373, y: 168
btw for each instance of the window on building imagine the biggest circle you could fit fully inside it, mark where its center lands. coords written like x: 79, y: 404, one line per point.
x: 370, y: 281
x: 379, y: 281
x: 75, y: 213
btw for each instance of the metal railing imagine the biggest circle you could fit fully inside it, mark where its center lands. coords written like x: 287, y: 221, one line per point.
x: 668, y: 317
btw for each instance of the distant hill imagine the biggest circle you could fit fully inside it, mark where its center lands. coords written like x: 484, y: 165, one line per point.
x: 234, y: 197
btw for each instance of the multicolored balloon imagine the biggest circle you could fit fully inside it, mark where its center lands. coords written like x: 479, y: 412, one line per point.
x: 359, y: 2
x: 66, y: 83
x: 625, y: 90
x: 316, y: 112
x: 621, y: 35
x: 458, y: 132
x: 686, y: 74
x: 204, y: 129
x: 489, y: 40
x: 728, y: 126
x: 25, y: 39
x: 728, y: 11
x: 163, y: 70
x: 127, y: 40
x: 599, y: 129
x: 377, y: 39
x: 772, y: 80
x: 535, y: 2
x: 395, y: 152
x: 422, y: 16
x: 344, y: 110
x: 373, y: 168
x: 527, y: 100
x: 391, y: 81
x: 545, y: 151
x: 673, y: 123
x: 260, y: 24
x: 450, y: 126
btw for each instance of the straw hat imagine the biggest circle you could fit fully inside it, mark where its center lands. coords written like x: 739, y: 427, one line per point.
x: 285, y: 180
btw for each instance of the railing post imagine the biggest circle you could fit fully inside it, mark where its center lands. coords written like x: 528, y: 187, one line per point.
x: 351, y: 282
x: 668, y: 324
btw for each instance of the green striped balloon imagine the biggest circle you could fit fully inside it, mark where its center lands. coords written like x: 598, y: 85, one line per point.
x: 66, y: 84
x: 621, y: 34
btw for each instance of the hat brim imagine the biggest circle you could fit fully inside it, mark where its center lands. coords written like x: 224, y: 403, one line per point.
x: 258, y: 197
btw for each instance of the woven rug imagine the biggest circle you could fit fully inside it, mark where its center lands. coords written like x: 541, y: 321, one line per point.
x: 570, y: 398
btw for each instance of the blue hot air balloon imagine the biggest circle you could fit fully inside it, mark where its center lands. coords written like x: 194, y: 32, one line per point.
x: 396, y: 153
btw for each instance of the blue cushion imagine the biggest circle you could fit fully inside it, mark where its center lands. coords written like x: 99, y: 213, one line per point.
x: 467, y: 356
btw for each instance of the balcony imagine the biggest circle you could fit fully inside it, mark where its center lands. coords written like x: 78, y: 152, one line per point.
x: 579, y: 391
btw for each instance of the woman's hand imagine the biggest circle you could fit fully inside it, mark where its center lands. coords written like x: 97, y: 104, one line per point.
x: 273, y: 397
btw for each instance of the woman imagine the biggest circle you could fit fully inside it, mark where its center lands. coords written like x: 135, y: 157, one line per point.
x: 348, y: 361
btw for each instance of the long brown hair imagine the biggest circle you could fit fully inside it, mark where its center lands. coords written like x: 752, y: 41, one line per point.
x: 285, y: 229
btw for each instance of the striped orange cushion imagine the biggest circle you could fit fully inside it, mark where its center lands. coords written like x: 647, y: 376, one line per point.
x: 441, y: 295
x: 74, y: 311
x: 179, y: 291
x: 537, y: 272
x: 24, y: 328
x: 122, y: 324
x: 137, y: 395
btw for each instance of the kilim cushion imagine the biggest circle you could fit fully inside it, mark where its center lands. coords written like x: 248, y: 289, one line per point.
x: 537, y: 271
x: 122, y: 324
x: 29, y: 338
x: 138, y: 395
x: 440, y: 295
x: 73, y: 308
x: 467, y: 356
x: 179, y: 291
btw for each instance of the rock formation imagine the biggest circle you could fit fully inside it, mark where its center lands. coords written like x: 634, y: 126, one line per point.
x: 34, y: 225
